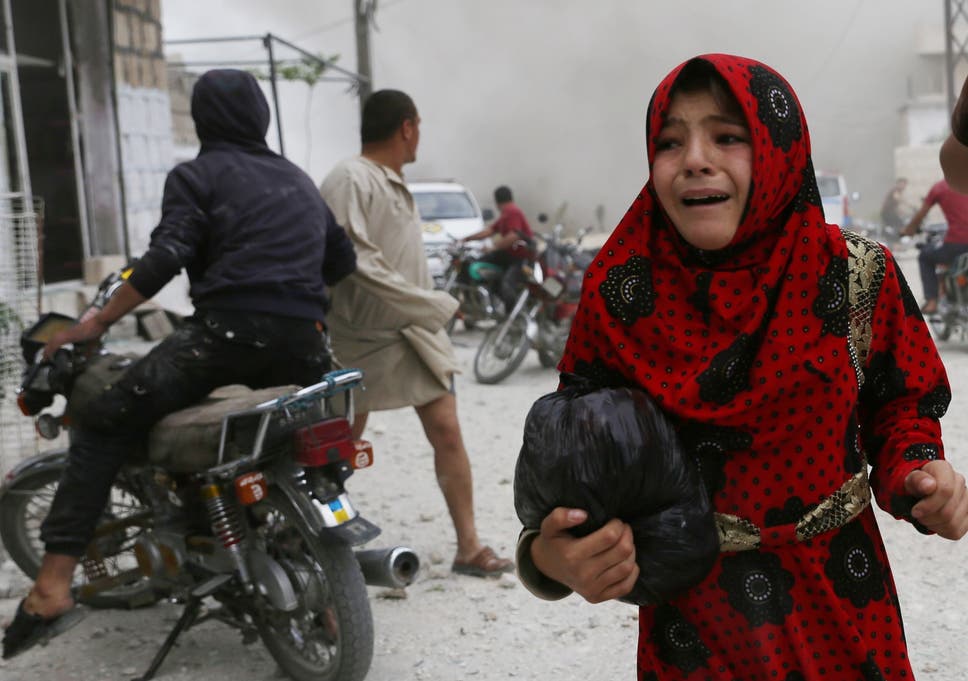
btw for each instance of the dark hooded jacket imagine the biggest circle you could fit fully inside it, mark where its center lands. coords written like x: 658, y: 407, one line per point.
x: 248, y: 226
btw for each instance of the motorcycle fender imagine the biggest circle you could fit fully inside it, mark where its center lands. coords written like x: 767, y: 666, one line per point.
x: 55, y: 459
x: 324, y: 522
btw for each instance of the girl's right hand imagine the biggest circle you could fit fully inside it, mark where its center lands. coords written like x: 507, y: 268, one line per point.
x: 599, y: 566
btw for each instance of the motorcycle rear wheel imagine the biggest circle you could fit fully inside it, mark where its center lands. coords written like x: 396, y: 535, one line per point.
x: 26, y: 505
x: 329, y: 636
x: 494, y: 362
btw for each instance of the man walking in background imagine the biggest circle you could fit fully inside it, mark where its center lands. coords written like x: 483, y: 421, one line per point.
x: 386, y: 318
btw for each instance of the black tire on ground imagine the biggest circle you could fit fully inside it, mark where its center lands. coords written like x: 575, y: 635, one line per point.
x: 548, y: 359
x: 24, y: 507
x: 493, y: 363
x: 329, y: 637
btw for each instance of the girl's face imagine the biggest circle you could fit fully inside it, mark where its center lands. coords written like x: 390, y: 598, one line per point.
x: 702, y: 169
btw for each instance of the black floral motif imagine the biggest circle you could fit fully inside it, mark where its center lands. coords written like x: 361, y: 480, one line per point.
x: 776, y: 108
x: 935, y: 403
x: 627, y: 290
x: 911, y: 306
x: 601, y: 374
x: 757, y: 586
x: 922, y: 451
x: 870, y: 670
x: 883, y: 381
x: 809, y: 193
x: 677, y: 641
x: 711, y: 445
x: 700, y: 299
x: 853, y: 566
x: 792, y: 511
x: 729, y: 372
x: 831, y: 304
x: 853, y: 454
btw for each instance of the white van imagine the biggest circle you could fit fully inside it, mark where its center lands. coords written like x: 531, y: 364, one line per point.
x: 448, y: 211
x: 835, y: 199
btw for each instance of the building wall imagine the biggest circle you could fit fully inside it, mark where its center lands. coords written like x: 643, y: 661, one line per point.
x: 145, y: 127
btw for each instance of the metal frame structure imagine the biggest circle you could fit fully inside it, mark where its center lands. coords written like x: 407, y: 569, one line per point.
x: 955, y: 43
x: 269, y: 41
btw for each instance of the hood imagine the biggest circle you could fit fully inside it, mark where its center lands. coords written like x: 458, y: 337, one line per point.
x: 228, y: 106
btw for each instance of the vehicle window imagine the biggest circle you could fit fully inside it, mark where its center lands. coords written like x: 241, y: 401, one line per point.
x: 444, y: 205
x: 829, y: 186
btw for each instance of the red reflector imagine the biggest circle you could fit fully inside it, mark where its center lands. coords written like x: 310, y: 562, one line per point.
x: 325, y: 442
x: 363, y: 457
x: 250, y: 488
x: 22, y: 404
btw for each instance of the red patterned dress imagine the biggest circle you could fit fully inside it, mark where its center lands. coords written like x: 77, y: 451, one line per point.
x: 748, y: 348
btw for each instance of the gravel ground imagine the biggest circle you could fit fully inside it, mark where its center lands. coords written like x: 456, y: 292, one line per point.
x: 461, y: 628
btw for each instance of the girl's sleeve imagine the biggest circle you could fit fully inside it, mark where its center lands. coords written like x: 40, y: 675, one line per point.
x: 904, y: 395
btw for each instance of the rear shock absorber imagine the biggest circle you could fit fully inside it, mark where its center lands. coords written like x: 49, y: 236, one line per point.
x: 228, y: 527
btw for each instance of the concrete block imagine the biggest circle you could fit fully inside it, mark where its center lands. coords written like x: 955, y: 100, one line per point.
x: 98, y: 267
x: 155, y: 324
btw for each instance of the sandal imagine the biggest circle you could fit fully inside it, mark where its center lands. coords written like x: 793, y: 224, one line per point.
x: 485, y: 563
x: 26, y: 630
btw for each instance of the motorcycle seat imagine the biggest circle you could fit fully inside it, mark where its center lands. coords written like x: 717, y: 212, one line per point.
x: 187, y: 441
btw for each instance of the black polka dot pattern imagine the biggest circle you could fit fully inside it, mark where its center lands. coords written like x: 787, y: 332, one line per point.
x: 746, y: 349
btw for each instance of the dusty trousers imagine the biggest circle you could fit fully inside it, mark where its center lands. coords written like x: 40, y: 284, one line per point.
x: 211, y: 349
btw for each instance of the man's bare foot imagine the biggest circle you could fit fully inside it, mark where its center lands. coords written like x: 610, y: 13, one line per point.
x: 929, y: 307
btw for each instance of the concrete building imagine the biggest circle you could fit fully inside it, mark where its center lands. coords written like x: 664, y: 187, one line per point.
x: 87, y: 121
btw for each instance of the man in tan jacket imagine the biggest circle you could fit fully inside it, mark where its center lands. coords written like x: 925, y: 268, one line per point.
x: 388, y: 320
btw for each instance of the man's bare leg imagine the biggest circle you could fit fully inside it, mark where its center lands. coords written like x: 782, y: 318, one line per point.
x: 51, y: 593
x: 453, y: 468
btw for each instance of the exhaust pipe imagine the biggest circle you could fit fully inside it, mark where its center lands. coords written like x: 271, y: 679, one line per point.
x: 394, y: 568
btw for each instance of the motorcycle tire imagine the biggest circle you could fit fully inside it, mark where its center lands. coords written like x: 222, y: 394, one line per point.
x: 24, y: 507
x: 493, y: 363
x: 548, y: 359
x: 329, y: 636
x: 941, y: 325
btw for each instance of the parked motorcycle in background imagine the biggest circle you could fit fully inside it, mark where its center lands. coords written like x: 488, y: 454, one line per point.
x: 542, y: 314
x: 240, y: 498
x: 477, y: 292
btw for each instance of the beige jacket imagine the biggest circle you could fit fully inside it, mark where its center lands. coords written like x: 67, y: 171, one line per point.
x: 386, y: 317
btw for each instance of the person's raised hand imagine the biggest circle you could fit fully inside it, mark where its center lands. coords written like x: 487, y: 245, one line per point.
x: 943, y: 505
x: 598, y: 567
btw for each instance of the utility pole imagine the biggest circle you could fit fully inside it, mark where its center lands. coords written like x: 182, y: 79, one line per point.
x: 955, y: 44
x: 364, y: 11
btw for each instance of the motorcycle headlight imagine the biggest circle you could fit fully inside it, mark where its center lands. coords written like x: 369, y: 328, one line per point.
x: 537, y: 273
x: 552, y: 287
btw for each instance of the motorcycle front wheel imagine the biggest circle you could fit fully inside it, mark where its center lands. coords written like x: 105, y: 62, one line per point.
x: 26, y: 504
x: 497, y: 359
x: 329, y: 636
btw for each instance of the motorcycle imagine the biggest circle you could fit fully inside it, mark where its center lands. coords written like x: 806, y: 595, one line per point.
x: 542, y: 314
x: 477, y: 293
x: 952, y: 314
x: 240, y: 499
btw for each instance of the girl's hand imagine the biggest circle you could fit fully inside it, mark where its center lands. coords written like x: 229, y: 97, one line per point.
x: 943, y: 507
x: 599, y: 567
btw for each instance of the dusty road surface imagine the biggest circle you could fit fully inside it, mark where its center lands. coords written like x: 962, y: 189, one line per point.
x: 451, y: 628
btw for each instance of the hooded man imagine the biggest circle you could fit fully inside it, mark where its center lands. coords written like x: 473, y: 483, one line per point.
x: 260, y: 247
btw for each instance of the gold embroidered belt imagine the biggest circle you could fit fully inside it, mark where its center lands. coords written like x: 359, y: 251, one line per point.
x: 739, y: 534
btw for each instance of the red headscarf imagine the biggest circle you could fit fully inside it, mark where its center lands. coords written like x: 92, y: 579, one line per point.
x: 745, y: 346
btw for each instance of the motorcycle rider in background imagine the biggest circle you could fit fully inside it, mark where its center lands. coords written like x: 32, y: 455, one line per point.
x: 510, y: 227
x: 954, y: 205
x: 260, y: 247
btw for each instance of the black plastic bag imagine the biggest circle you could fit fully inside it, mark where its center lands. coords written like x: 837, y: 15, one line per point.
x: 613, y: 453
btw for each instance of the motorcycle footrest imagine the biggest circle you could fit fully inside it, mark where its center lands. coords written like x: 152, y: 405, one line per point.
x: 210, y: 586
